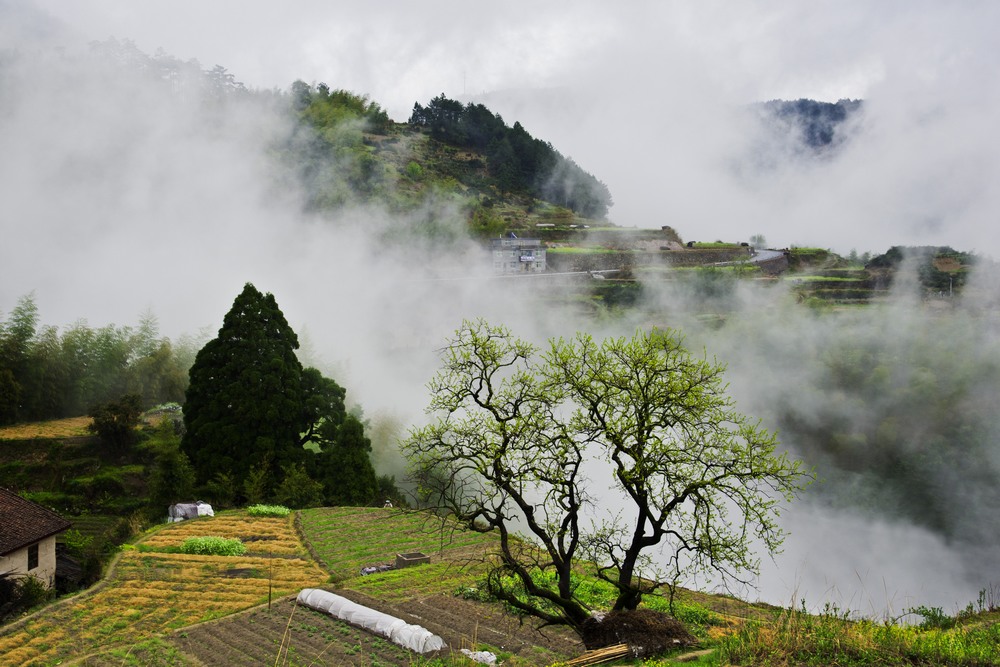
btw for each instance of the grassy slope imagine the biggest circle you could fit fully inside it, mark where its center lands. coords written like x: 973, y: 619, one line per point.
x: 459, y: 175
x: 152, y: 607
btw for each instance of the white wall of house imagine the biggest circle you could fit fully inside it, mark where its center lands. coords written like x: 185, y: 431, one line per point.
x: 518, y: 255
x: 45, y: 571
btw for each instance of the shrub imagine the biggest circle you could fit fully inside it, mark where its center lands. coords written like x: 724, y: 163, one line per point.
x: 414, y: 171
x: 268, y: 510
x: 934, y: 617
x: 18, y: 593
x: 213, y: 546
x: 32, y: 592
x: 76, y: 542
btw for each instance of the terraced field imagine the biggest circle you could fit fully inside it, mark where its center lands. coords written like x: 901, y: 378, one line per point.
x: 149, y: 592
x: 56, y: 428
x: 288, y: 635
x: 348, y: 539
x: 345, y: 539
x: 159, y: 608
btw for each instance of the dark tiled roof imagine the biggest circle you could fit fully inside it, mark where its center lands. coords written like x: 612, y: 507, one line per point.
x: 23, y: 522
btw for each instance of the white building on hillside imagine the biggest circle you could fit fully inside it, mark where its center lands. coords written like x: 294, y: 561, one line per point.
x: 514, y: 255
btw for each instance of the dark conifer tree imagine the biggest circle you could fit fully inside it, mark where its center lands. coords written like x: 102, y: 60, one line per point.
x: 244, y: 404
x: 344, y: 464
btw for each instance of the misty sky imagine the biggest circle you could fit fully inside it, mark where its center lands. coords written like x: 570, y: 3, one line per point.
x: 643, y: 95
x: 118, y: 197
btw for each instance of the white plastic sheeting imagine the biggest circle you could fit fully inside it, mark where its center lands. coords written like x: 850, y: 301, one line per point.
x: 182, y: 511
x: 396, y: 630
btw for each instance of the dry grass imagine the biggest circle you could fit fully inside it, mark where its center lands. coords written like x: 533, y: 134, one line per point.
x: 149, y: 593
x: 57, y: 428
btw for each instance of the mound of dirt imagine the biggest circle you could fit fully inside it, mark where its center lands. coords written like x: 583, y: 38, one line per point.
x: 646, y: 632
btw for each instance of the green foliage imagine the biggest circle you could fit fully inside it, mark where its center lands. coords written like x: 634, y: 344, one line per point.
x: 213, y: 546
x: 513, y: 429
x: 939, y: 268
x: 76, y: 543
x: 486, y: 222
x: 244, y: 402
x: 99, y: 486
x: 256, y: 484
x: 252, y: 406
x: 934, y: 617
x: 298, y: 489
x: 323, y: 406
x: 387, y: 490
x: 19, y: 593
x: 830, y: 638
x: 414, y: 171
x: 173, y: 478
x: 477, y: 593
x: 115, y: 423
x: 324, y: 108
x: 516, y: 161
x: 344, y: 464
x: 268, y: 510
x: 221, y: 490
x: 45, y: 373
x: 330, y: 149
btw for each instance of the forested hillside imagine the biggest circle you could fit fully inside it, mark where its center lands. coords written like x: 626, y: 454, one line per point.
x: 515, y: 161
x: 345, y: 150
x: 339, y: 149
x: 46, y: 373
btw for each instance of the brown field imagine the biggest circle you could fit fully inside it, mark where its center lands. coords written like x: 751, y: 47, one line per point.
x: 70, y: 427
x: 287, y: 634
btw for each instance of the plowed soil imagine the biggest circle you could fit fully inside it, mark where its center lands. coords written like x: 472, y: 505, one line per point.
x: 287, y: 634
x: 468, y: 624
x: 307, y: 637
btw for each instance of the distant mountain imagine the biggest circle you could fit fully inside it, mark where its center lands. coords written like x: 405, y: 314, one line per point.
x: 816, y: 125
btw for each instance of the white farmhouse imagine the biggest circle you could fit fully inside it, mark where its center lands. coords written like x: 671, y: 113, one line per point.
x: 28, y: 538
x: 514, y: 255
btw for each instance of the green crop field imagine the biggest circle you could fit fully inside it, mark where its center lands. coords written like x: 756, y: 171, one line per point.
x: 346, y: 539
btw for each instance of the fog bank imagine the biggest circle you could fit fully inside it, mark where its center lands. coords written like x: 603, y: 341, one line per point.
x: 120, y: 193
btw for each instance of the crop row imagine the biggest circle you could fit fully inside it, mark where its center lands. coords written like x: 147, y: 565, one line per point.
x: 287, y: 635
x: 151, y: 592
x: 260, y: 534
x: 417, y: 582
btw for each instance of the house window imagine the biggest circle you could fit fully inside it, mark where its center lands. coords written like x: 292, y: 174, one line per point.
x: 32, y: 557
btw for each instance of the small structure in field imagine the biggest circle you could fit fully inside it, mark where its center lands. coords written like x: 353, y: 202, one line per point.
x: 182, y: 511
x: 410, y: 559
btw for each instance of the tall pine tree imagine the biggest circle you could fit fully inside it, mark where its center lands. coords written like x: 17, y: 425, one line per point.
x: 244, y: 404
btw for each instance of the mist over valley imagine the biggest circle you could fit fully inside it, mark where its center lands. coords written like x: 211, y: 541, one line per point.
x: 138, y: 184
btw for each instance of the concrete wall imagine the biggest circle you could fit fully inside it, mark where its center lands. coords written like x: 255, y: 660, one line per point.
x: 626, y: 261
x: 46, y: 570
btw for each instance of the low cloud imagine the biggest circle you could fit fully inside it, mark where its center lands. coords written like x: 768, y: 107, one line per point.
x: 120, y: 194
